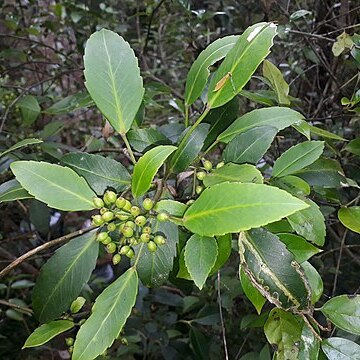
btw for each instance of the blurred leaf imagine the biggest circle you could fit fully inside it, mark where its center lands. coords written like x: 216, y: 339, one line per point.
x: 315, y: 281
x: 21, y: 144
x: 350, y: 218
x: 30, y: 109
x: 70, y: 103
x: 354, y: 146
x: 12, y: 190
x: 141, y: 139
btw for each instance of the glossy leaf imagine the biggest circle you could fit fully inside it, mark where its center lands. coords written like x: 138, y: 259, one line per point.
x: 109, y: 314
x: 251, y: 292
x: 292, y: 184
x: 232, y: 207
x: 172, y: 207
x: 200, y: 256
x: 344, y: 312
x: 46, y: 332
x: 336, y: 348
x: 350, y: 218
x: 113, y: 78
x: 244, y: 173
x: 314, y: 280
x: 309, y: 344
x: 297, y: 157
x: 224, y: 245
x: 147, y: 167
x: 141, y: 139
x: 277, y: 82
x: 284, y: 330
x: 154, y: 267
x: 298, y: 246
x: 20, y: 144
x: 241, y: 62
x: 30, y: 109
x: 188, y: 151
x: 250, y: 146
x: 309, y: 223
x: 57, y: 186
x: 273, y: 270
x: 63, y: 276
x: 199, y: 71
x: 12, y: 190
x: 100, y: 172
x: 70, y: 103
x: 278, y: 117
x: 324, y: 133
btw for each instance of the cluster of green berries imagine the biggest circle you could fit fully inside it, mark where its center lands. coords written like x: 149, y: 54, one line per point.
x: 200, y: 175
x: 126, y: 225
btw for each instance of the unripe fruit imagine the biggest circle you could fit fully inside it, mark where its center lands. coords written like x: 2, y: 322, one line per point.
x: 107, y: 240
x: 148, y: 204
x: 121, y: 226
x: 133, y: 241
x: 130, y: 224
x: 98, y: 203
x: 111, y: 227
x: 69, y: 341
x: 122, y: 216
x: 140, y: 220
x: 220, y: 164
x: 116, y: 259
x: 111, y: 247
x: 151, y: 246
x: 207, y: 165
x: 103, y: 210
x: 120, y: 202
x: 201, y: 175
x: 198, y: 189
x: 146, y: 230
x: 71, y: 349
x: 102, y: 236
x: 190, y: 202
x: 162, y: 217
x: 124, y: 250
x: 128, y: 231
x: 135, y: 211
x: 109, y: 197
x: 108, y: 216
x: 130, y: 254
x: 145, y: 238
x: 97, y: 220
x: 159, y: 240
x: 127, y: 205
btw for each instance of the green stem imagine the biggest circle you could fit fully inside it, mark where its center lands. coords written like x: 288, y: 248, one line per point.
x: 186, y: 116
x: 128, y: 148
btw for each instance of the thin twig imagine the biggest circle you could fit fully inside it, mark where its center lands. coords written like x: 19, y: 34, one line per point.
x: 339, y: 261
x: 223, y: 330
x: 15, y: 306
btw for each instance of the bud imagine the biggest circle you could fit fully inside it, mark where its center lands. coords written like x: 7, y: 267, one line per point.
x: 120, y: 202
x: 116, y: 259
x: 201, y: 175
x: 207, y: 164
x: 128, y: 231
x: 69, y: 341
x: 135, y: 211
x: 109, y: 197
x: 220, y: 164
x: 98, y: 203
x: 97, y: 220
x: 124, y: 249
x: 198, y: 189
x: 130, y: 254
x: 102, y: 236
x: 111, y: 227
x: 111, y: 247
x: 148, y: 204
x: 108, y: 216
x: 140, y: 220
x: 127, y: 205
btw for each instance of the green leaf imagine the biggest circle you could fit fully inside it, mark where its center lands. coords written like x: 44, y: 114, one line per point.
x: 224, y: 245
x: 30, y: 109
x: 147, y: 167
x: 113, y: 78
x: 350, y: 218
x: 297, y: 157
x: 154, y: 267
x: 275, y: 77
x: 344, y: 312
x: 63, y: 276
x: 241, y: 62
x: 141, y: 139
x: 100, y: 172
x: 57, y: 186
x: 309, y: 345
x: 323, y: 133
x: 12, y: 190
x: 172, y: 207
x: 272, y: 269
x: 46, y: 332
x: 109, y: 313
x: 263, y: 97
x: 354, y: 146
x: 200, y: 256
x: 21, y: 144
x: 315, y: 281
x: 309, y: 223
x: 199, y: 71
x: 70, y: 103
x: 336, y: 348
x: 232, y: 207
x: 188, y: 151
x: 250, y: 146
x: 292, y: 184
x: 278, y: 117
x: 283, y: 329
x: 251, y: 292
x: 244, y: 173
x: 298, y: 246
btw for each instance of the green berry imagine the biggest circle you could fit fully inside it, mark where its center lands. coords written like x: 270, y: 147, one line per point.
x: 148, y: 204
x: 103, y: 210
x: 71, y: 349
x: 207, y: 165
x: 106, y: 241
x: 145, y: 238
x: 97, y: 220
x: 127, y: 205
x: 199, y: 189
x: 159, y: 240
x: 130, y: 224
x: 146, y: 230
x: 130, y: 254
x: 108, y: 216
x: 122, y: 215
x: 98, y: 203
x: 111, y: 227
x: 151, y: 246
x: 124, y: 250
x: 135, y: 211
x: 162, y: 217
x: 120, y: 202
x: 69, y: 341
x: 133, y: 241
x: 102, y: 236
x: 128, y: 231
x: 109, y: 197
x: 190, y: 202
x: 140, y: 220
x: 220, y: 164
x: 116, y: 259
x: 201, y: 175
x: 111, y: 247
